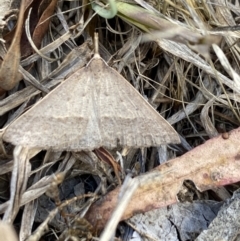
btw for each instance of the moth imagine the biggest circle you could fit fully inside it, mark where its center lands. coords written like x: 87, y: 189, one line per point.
x: 95, y: 107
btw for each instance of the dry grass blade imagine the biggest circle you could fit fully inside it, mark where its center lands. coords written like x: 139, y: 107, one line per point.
x: 35, y: 191
x: 19, y: 179
x: 128, y: 188
x: 195, y: 104
x: 187, y: 54
x: 44, y: 226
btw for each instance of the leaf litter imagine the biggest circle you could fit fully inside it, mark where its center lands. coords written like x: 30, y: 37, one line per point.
x: 193, y: 85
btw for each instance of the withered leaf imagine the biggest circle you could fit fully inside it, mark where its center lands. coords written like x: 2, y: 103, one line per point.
x: 9, y: 75
x: 43, y: 23
x: 210, y: 165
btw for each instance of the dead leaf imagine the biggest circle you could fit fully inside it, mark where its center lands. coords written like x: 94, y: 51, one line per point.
x: 20, y: 174
x: 43, y: 22
x: 9, y: 75
x: 105, y: 156
x: 39, y: 20
x: 212, y: 164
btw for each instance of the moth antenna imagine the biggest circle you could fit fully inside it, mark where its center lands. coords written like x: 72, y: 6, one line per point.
x: 96, y: 45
